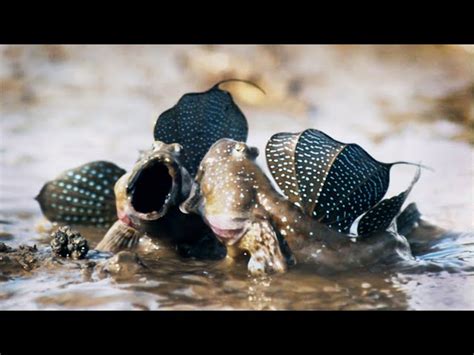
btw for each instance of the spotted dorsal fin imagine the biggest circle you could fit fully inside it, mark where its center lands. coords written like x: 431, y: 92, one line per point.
x: 379, y: 217
x: 82, y: 196
x: 300, y: 164
x: 198, y: 120
x: 280, y: 154
x: 335, y: 182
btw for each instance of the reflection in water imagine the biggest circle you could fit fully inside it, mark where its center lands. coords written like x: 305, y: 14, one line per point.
x: 63, y: 106
x: 170, y: 282
x: 257, y: 293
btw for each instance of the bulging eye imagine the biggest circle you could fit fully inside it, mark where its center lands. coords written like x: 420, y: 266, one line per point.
x: 177, y: 147
x: 239, y: 147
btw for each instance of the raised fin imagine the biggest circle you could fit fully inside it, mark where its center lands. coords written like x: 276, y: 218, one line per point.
x: 408, y: 219
x: 379, y: 217
x: 332, y: 181
x: 119, y: 237
x: 82, y: 196
x: 281, y: 162
x: 251, y: 83
x: 197, y: 121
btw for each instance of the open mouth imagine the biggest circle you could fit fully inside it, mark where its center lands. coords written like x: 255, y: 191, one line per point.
x: 228, y: 236
x: 228, y: 230
x: 151, y: 188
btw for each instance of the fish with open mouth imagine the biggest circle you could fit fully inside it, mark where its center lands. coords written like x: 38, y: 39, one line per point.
x: 239, y: 203
x: 146, y: 199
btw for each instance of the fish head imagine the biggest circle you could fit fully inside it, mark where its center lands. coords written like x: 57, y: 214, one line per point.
x: 229, y: 153
x: 224, y: 192
x: 157, y: 182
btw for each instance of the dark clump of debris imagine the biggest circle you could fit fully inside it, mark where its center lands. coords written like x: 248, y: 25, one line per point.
x: 69, y: 243
x: 4, y: 248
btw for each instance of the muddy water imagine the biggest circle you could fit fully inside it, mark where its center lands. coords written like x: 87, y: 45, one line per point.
x: 63, y: 106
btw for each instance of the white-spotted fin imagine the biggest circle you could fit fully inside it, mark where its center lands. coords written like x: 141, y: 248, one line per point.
x: 119, y: 237
x: 197, y: 121
x: 82, y: 196
x: 379, y: 217
x: 332, y: 181
x: 280, y: 154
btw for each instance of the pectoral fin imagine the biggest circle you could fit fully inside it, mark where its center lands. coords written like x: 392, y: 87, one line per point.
x: 261, y: 241
x: 119, y: 237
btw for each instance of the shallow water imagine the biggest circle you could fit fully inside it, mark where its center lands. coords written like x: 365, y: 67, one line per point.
x: 63, y: 106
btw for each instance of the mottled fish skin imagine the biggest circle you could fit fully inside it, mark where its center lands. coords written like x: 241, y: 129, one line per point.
x: 333, y: 181
x: 82, y: 196
x: 197, y: 121
x: 234, y: 193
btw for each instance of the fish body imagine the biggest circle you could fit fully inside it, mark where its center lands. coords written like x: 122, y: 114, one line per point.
x: 147, y: 200
x: 239, y: 203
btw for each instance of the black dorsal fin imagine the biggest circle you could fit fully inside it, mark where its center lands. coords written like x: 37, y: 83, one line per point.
x: 280, y: 156
x: 379, y: 217
x: 198, y: 120
x: 335, y: 182
x: 83, y: 195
